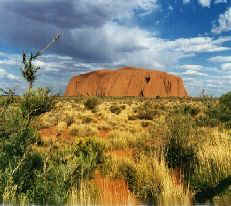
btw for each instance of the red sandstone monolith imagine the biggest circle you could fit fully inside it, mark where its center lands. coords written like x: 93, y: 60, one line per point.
x: 126, y: 81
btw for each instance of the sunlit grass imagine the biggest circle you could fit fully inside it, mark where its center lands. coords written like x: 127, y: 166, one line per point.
x: 136, y: 168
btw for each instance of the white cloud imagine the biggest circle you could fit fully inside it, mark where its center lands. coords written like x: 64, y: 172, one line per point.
x: 205, y: 3
x: 220, y: 59
x: 8, y: 62
x: 224, y: 23
x: 119, y: 8
x: 198, y: 44
x: 220, y: 1
x: 186, y: 1
x: 194, y: 73
x: 116, y: 45
x: 58, y: 57
x: 226, y: 67
x: 192, y: 67
x: 49, y: 66
x: 94, y: 41
x: 142, y: 49
x: 5, y: 74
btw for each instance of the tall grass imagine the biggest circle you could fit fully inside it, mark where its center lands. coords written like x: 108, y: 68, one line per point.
x: 163, y: 156
x: 87, y: 194
x: 36, y: 102
x: 214, y: 162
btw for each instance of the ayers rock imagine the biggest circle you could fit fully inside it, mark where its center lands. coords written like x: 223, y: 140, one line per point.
x: 126, y: 81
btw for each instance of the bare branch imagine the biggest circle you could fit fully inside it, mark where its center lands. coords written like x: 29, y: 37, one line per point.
x: 55, y: 38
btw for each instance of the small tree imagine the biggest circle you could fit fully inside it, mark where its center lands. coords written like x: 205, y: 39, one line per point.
x: 29, y: 71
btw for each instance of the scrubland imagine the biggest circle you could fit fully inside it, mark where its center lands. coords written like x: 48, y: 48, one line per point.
x: 114, y: 150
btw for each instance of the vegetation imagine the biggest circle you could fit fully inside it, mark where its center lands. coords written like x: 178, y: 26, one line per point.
x: 36, y: 102
x: 91, y: 103
x: 30, y: 170
x: 58, y: 150
x: 29, y: 71
x: 9, y: 97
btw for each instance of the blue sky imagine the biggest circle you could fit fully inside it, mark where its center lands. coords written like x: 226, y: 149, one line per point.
x: 188, y: 38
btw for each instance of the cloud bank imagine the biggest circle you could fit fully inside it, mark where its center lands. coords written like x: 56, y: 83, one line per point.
x: 97, y: 34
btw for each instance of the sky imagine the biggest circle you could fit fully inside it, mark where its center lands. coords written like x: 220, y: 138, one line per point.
x: 187, y: 38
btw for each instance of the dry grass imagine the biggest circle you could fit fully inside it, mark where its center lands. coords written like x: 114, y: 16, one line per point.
x: 155, y: 174
x: 86, y: 195
x: 215, y: 157
x: 123, y: 138
x: 114, y: 192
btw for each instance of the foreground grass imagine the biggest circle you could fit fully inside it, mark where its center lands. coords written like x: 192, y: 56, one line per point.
x: 157, y: 151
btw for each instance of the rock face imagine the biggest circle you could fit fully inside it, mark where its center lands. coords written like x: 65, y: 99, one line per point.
x: 126, y: 81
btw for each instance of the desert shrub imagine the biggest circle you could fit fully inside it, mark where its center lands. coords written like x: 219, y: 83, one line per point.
x: 117, y: 109
x: 88, y: 156
x: 36, y: 102
x: 65, y: 169
x: 145, y: 123
x: 87, y: 120
x: 225, y: 101
x: 180, y: 150
x: 214, y: 163
x: 150, y: 180
x: 18, y: 163
x: 206, y: 121
x: 74, y: 130
x: 118, y: 139
x: 218, y: 112
x: 223, y: 109
x: 132, y: 117
x: 123, y: 107
x: 69, y: 120
x: 145, y: 111
x: 127, y: 170
x: 189, y: 109
x: 186, y: 109
x: 92, y: 103
x: 15, y: 135
x: 8, y: 98
x: 41, y: 178
x: 82, y: 130
x: 81, y: 159
x: 61, y: 126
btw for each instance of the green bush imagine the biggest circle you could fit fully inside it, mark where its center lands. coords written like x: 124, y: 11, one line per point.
x: 132, y: 117
x: 87, y: 120
x: 180, y: 150
x: 219, y: 112
x: 186, y: 109
x: 91, y: 103
x: 207, y: 121
x: 18, y: 163
x: 41, y: 178
x: 145, y: 111
x: 87, y: 156
x: 193, y: 111
x: 143, y: 179
x: 115, y: 109
x: 69, y: 120
x: 129, y: 173
x: 8, y: 98
x: 15, y: 136
x: 225, y: 101
x: 36, y: 102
